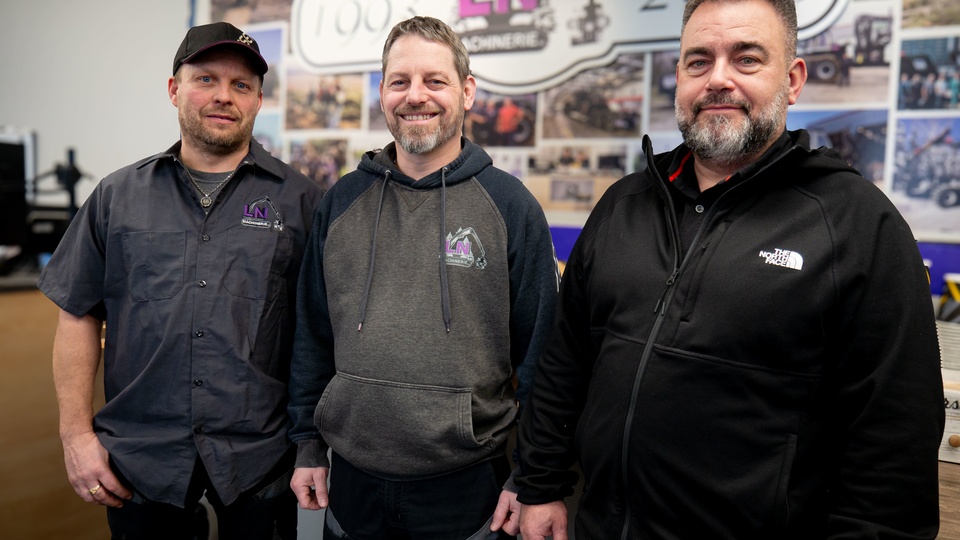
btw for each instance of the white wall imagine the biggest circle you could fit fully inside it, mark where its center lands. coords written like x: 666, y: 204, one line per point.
x: 90, y: 75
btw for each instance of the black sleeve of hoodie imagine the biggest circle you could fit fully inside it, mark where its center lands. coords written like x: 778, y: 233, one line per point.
x: 312, y: 364
x: 885, y: 396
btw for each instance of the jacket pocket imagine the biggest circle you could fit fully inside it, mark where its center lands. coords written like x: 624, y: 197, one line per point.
x: 154, y: 264
x: 399, y: 429
x: 254, y: 261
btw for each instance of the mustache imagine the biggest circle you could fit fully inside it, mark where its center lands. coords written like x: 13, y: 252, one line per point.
x: 720, y: 99
x: 417, y: 110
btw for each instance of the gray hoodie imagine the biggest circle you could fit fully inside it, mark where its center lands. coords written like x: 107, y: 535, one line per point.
x: 404, y: 366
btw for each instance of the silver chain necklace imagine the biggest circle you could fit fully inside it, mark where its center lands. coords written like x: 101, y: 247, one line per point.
x: 206, y: 200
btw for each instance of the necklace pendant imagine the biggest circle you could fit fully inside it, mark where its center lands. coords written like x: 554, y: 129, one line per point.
x: 206, y: 201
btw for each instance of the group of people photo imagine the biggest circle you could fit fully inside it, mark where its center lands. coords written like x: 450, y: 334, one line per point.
x: 742, y: 342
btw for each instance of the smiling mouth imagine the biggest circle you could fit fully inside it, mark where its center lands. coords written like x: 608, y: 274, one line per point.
x: 418, y: 117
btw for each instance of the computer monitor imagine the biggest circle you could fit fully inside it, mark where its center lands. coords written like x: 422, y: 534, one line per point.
x: 17, y: 172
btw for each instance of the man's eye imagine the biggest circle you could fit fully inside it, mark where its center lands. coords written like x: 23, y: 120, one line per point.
x: 206, y: 79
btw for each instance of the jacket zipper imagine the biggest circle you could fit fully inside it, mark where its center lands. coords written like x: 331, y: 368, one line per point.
x: 660, y: 309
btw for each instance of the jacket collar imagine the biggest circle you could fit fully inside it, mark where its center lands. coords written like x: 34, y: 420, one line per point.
x: 257, y: 156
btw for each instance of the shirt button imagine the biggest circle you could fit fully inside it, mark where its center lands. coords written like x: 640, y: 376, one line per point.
x: 202, y: 283
x: 206, y: 237
x: 698, y: 208
x: 199, y: 333
x: 198, y: 382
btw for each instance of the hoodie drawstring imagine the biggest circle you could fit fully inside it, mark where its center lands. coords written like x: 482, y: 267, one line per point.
x: 373, y: 254
x: 444, y: 288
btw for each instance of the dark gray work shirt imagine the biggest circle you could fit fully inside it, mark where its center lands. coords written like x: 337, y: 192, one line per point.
x: 199, y: 312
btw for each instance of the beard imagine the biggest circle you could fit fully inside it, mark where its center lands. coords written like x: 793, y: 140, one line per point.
x: 424, y: 139
x: 219, y: 142
x: 721, y: 139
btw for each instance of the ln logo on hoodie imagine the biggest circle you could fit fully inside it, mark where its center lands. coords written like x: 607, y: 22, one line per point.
x: 464, y: 249
x: 784, y: 258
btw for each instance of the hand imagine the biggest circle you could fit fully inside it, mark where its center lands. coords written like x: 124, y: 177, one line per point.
x: 538, y: 521
x: 507, y: 514
x: 309, y: 484
x: 88, y: 469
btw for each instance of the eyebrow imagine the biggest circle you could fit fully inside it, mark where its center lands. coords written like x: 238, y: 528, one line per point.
x: 738, y: 47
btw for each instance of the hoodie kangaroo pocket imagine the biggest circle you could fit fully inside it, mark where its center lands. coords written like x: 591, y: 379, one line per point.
x: 397, y: 428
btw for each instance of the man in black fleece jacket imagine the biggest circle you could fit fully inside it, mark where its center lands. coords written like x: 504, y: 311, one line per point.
x: 745, y: 344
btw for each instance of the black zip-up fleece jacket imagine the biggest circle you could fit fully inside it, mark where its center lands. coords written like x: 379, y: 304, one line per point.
x: 417, y: 304
x: 780, y: 379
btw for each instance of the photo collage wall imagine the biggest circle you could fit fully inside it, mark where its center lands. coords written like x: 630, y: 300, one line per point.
x: 567, y: 88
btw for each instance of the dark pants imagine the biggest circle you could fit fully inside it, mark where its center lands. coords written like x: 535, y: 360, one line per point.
x: 268, y: 511
x: 454, y: 506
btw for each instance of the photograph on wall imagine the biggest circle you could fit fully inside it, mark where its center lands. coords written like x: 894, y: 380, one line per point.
x: 859, y: 136
x: 359, y: 144
x: 270, y: 41
x: 266, y: 130
x: 500, y: 120
x: 509, y: 160
x: 377, y: 120
x: 929, y: 74
x: 323, y: 160
x: 600, y: 102
x: 323, y: 101
x: 663, y: 90
x: 850, y: 61
x: 568, y: 180
x: 926, y: 175
x: 561, y: 158
x: 243, y: 12
x: 930, y: 13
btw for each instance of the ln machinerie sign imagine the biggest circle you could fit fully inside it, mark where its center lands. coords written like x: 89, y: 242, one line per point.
x: 516, y: 46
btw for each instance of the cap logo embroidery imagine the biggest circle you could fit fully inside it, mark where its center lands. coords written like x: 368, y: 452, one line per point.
x: 245, y: 39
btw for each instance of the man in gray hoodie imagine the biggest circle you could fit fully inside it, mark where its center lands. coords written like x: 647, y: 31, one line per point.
x: 427, y: 288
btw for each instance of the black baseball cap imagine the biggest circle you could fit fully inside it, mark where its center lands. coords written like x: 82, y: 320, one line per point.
x: 207, y: 36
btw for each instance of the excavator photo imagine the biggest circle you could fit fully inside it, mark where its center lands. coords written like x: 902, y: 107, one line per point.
x: 825, y: 59
x: 932, y: 170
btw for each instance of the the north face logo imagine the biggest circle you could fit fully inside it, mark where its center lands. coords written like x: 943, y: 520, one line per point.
x: 784, y: 258
x: 464, y: 249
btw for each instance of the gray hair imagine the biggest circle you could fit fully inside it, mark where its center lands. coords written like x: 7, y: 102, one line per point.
x: 786, y: 11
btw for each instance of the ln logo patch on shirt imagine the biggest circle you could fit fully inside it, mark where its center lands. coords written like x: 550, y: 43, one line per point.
x: 262, y: 214
x: 784, y: 258
x: 464, y: 249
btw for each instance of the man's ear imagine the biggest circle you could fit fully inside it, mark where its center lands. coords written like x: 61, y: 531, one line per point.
x: 798, y: 77
x: 172, y: 87
x: 469, y: 92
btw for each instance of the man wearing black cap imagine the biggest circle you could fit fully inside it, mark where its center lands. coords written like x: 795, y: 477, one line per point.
x: 190, y: 258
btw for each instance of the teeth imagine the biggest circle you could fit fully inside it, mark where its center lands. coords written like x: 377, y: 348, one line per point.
x: 416, y: 117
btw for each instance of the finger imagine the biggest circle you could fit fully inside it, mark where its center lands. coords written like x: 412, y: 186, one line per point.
x: 114, y: 486
x: 512, y: 525
x: 499, y: 516
x: 105, y: 497
x: 304, y: 496
x: 323, y: 498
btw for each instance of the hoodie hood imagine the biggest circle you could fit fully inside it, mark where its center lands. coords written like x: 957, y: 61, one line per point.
x: 471, y: 161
